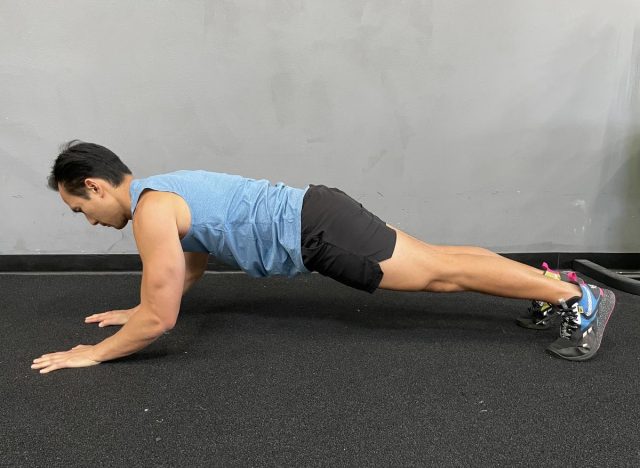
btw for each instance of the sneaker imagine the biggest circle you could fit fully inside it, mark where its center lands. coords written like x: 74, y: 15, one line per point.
x: 540, y: 317
x: 583, y: 322
x: 542, y: 314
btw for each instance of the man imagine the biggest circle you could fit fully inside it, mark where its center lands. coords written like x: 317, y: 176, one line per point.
x: 180, y: 218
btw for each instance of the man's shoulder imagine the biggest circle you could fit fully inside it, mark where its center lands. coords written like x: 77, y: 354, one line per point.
x: 154, y: 204
x: 155, y: 223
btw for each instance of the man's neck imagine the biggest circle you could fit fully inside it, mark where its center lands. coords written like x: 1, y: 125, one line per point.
x: 123, y: 195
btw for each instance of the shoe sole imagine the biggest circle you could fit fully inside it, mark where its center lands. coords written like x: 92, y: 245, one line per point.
x: 607, y: 304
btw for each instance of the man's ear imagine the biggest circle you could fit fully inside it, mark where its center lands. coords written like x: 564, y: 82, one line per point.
x: 93, y: 186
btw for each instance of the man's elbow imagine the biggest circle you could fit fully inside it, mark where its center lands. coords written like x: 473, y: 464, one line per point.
x: 164, y: 322
x: 157, y: 329
x: 168, y: 325
x: 162, y: 300
x: 159, y: 323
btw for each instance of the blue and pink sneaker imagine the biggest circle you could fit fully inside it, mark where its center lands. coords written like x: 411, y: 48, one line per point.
x: 583, y: 322
x: 542, y: 314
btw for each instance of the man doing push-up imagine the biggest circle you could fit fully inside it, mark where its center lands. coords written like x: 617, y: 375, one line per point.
x: 182, y: 217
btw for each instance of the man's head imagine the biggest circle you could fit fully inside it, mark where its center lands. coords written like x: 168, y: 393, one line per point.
x: 93, y: 180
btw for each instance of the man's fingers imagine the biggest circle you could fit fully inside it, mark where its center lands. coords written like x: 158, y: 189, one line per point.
x: 43, y: 364
x: 106, y: 318
x: 58, y: 355
x: 49, y: 368
x: 102, y: 314
x: 64, y: 359
x: 95, y: 317
x: 49, y: 357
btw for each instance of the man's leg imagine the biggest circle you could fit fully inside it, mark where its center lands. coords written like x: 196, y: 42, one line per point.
x: 418, y: 266
x: 472, y: 250
x: 540, y: 315
x: 586, y: 309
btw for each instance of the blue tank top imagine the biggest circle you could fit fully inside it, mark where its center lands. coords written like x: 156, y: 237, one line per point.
x: 245, y: 223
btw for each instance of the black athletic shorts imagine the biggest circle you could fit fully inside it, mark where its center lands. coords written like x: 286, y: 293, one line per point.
x: 342, y: 240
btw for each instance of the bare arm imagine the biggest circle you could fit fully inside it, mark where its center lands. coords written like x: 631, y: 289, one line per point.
x: 163, y: 283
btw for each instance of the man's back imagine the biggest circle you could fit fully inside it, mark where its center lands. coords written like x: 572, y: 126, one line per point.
x: 243, y: 222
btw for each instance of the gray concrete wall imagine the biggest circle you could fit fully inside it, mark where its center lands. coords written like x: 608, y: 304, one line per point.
x: 511, y: 124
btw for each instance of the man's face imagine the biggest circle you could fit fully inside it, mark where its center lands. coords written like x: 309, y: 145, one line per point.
x: 101, y: 208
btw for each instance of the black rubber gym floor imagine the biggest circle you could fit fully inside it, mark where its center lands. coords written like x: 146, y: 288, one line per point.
x: 308, y: 372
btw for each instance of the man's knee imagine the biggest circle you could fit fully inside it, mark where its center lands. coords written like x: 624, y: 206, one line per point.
x: 443, y: 287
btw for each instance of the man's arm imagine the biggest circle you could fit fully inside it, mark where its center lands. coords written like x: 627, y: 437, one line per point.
x: 163, y: 281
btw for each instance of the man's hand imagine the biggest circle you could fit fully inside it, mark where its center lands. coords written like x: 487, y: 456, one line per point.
x: 80, y: 356
x: 113, y: 317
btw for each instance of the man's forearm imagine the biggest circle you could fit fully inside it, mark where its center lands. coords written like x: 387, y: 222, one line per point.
x: 124, y: 342
x: 142, y: 329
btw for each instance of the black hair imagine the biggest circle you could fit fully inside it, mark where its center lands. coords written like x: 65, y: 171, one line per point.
x: 79, y: 160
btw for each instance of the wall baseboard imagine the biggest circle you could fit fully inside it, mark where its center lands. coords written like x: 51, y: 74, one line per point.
x: 619, y: 270
x: 83, y: 262
x: 132, y: 262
